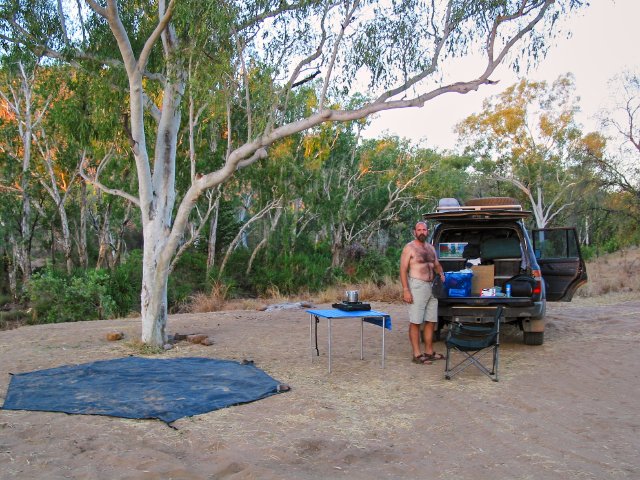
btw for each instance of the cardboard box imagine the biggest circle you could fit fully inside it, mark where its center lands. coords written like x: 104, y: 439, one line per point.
x: 483, y: 277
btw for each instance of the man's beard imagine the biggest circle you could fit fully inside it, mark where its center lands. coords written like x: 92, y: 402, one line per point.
x: 422, y: 237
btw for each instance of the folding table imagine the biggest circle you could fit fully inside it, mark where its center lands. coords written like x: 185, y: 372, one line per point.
x: 380, y: 319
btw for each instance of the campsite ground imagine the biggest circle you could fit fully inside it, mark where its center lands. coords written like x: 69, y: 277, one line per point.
x: 566, y: 409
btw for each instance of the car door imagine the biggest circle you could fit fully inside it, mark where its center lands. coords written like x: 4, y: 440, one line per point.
x: 558, y: 253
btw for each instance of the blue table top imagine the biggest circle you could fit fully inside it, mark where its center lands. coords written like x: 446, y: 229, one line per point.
x: 369, y: 316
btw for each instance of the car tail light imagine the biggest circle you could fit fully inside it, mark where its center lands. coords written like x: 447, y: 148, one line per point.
x: 537, y: 276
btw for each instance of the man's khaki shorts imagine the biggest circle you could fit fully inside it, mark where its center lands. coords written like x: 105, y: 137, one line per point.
x: 425, y: 306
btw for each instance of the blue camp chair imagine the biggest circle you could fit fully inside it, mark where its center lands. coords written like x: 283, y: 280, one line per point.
x: 473, y: 342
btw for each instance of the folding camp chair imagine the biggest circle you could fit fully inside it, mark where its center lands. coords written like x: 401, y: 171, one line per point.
x: 473, y: 342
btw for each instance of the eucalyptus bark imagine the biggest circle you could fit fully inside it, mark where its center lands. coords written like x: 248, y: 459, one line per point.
x: 60, y: 201
x: 213, y: 233
x: 104, y: 240
x: 12, y: 268
x: 24, y: 245
x: 83, y: 255
x: 66, y: 238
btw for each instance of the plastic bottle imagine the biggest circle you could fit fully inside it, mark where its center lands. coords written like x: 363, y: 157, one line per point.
x: 508, y: 289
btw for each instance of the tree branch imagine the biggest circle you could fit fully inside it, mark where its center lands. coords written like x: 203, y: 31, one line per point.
x: 348, y: 18
x: 95, y: 182
x: 153, y: 38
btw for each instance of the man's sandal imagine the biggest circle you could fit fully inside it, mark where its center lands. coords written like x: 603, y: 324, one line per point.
x: 423, y: 359
x: 434, y: 356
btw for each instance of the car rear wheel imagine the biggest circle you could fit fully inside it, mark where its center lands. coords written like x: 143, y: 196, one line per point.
x: 533, y: 338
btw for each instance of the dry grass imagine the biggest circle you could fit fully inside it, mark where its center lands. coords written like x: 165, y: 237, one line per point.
x: 614, y: 273
x: 137, y: 347
x: 209, y: 302
x: 216, y: 300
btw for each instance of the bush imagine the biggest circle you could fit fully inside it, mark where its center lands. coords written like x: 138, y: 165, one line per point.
x: 56, y: 297
x: 611, y: 245
x: 375, y: 267
x: 188, y: 277
x: 292, y: 273
x: 335, y: 275
x: 588, y: 252
x: 125, y: 282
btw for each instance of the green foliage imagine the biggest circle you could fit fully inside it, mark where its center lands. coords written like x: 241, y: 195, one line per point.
x: 98, y: 294
x: 588, y: 252
x: 375, y: 266
x: 611, y: 245
x: 124, y: 284
x: 189, y: 276
x: 57, y: 297
x: 291, y: 273
x: 306, y: 269
x: 336, y: 275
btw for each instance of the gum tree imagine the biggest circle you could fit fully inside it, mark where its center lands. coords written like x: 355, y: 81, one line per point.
x: 620, y: 170
x: 240, y: 61
x: 528, y: 137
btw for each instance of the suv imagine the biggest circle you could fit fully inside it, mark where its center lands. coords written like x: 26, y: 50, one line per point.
x: 488, y: 235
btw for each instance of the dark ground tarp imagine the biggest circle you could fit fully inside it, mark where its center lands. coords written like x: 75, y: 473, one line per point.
x: 134, y: 387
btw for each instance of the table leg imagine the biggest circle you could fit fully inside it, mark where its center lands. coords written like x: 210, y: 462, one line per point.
x: 383, y: 321
x: 329, y: 320
x: 361, y: 339
x: 311, y: 318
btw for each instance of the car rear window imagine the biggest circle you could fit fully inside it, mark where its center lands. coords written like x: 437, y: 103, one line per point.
x: 490, y: 243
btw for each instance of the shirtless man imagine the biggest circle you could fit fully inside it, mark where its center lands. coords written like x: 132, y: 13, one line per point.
x: 418, y: 264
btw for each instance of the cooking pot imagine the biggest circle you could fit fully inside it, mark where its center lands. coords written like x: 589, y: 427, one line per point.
x: 352, y: 296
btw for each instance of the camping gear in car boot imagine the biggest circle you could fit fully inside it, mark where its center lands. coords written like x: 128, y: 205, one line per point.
x: 458, y: 284
x: 521, y: 285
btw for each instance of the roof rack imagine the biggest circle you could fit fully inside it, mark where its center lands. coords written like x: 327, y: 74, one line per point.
x: 470, y: 208
x: 452, y: 205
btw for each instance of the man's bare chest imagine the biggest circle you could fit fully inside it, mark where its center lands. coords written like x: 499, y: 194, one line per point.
x: 423, y: 254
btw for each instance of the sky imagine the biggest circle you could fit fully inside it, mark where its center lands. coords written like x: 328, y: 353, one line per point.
x: 605, y: 41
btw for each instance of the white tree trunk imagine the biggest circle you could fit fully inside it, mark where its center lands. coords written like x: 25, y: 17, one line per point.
x: 83, y: 256
x: 66, y: 239
x: 24, y: 255
x: 153, y: 299
x: 60, y: 200
x: 213, y: 232
x: 336, y: 245
x: 12, y: 268
x: 104, y: 239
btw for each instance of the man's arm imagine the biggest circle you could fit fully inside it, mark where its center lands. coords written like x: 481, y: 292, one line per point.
x: 437, y: 266
x: 405, y: 259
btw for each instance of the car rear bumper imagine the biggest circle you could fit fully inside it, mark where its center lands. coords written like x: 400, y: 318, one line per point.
x: 483, y: 308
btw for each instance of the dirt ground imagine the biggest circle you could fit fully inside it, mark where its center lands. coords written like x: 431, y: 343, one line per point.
x: 568, y: 409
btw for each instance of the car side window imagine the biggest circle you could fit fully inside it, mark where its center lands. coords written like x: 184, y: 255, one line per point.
x: 555, y: 244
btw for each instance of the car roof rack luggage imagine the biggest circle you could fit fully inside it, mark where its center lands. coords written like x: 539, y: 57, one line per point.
x: 476, y: 204
x: 483, y: 209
